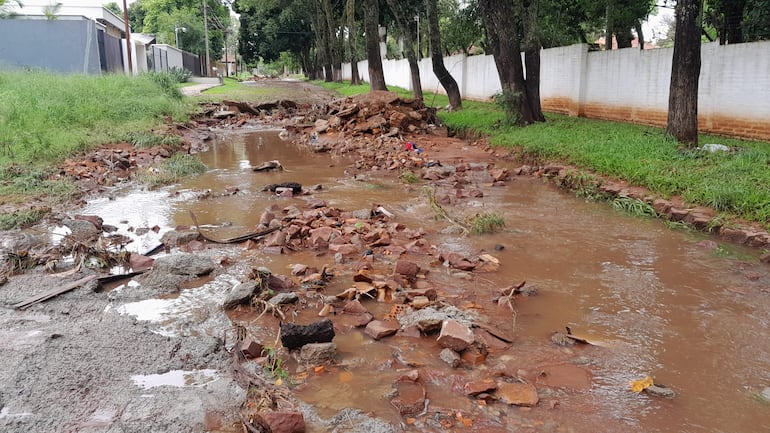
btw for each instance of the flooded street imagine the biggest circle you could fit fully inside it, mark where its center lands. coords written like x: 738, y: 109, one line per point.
x: 650, y: 300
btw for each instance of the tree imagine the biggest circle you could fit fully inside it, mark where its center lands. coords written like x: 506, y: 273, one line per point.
x: 403, y: 16
x: 437, y: 57
x: 350, y: 15
x: 372, y: 33
x: 505, y: 23
x: 682, y: 121
x: 115, y: 8
x: 460, y: 26
x: 726, y: 17
x: 271, y: 27
x: 6, y: 6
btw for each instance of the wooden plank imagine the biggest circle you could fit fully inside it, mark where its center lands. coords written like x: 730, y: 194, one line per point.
x: 54, y: 292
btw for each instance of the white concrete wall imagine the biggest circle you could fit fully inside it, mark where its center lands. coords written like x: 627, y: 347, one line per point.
x: 628, y: 85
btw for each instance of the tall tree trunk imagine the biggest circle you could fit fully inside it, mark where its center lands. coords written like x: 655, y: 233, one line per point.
x: 531, y: 45
x: 371, y: 24
x: 350, y: 11
x: 733, y: 15
x: 335, y: 60
x: 640, y: 33
x: 404, y: 24
x: 685, y: 71
x: 447, y: 82
x: 502, y: 21
x: 608, y: 27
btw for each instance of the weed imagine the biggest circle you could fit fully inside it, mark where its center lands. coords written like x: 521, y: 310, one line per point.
x: 174, y: 169
x: 273, y: 365
x: 408, y: 177
x: 678, y: 225
x: 143, y: 139
x: 510, y: 102
x: 484, y: 223
x: 633, y: 206
x: 22, y: 218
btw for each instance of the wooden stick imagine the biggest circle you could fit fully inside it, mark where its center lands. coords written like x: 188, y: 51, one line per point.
x: 55, y: 292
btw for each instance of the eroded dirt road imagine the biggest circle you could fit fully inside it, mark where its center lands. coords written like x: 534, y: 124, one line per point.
x: 430, y: 334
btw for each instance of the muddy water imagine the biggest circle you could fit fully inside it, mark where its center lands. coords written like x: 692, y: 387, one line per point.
x: 654, y: 301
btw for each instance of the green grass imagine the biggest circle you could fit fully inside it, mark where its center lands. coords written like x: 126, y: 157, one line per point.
x: 736, y: 183
x: 46, y: 117
x: 486, y: 223
x: 21, y: 218
x: 235, y: 90
x: 174, y: 169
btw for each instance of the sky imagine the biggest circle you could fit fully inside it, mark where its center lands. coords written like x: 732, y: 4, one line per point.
x: 654, y: 27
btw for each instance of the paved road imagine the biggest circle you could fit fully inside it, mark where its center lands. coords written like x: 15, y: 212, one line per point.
x: 196, y: 89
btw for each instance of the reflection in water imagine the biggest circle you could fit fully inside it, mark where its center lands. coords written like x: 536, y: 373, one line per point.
x: 658, y: 303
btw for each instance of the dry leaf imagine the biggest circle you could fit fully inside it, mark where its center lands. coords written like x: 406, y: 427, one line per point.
x: 641, y: 384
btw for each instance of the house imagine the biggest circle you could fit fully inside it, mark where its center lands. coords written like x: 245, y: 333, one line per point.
x: 75, y: 36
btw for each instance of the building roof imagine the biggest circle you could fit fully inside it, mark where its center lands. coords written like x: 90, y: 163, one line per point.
x: 85, y: 8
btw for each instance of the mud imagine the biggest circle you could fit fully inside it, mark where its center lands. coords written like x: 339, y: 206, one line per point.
x: 640, y: 299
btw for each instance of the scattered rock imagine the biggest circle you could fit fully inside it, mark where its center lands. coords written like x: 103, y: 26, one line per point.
x: 284, y: 422
x: 97, y: 221
x: 411, y: 398
x: 517, y: 394
x: 479, y: 386
x: 294, y: 336
x: 251, y: 348
x: 82, y: 230
x: 269, y: 166
x: 184, y: 264
x: 660, y: 391
x: 139, y: 262
x: 318, y: 353
x: 241, y: 294
x: 283, y: 298
x: 378, y: 329
x: 175, y: 238
x: 455, y: 336
x: 450, y: 357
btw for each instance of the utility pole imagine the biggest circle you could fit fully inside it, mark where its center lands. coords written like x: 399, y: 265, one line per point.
x: 128, y: 38
x: 206, y: 35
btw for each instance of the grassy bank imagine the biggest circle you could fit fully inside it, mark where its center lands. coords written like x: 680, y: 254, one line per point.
x: 735, y: 183
x: 45, y: 118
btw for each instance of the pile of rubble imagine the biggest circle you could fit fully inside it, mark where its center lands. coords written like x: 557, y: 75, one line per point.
x: 111, y: 164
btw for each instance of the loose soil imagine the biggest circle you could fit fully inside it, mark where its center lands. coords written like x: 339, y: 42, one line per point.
x: 158, y: 352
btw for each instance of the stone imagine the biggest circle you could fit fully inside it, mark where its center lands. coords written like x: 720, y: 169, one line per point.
x: 407, y: 269
x: 411, y: 398
x: 97, y: 221
x: 294, y: 336
x: 319, y: 238
x: 428, y: 292
x: 354, y: 307
x: 455, y: 336
x: 139, y: 262
x: 318, y: 353
x: 450, y: 357
x: 517, y: 394
x: 660, y: 391
x: 240, y: 294
x: 479, y: 386
x: 321, y: 125
x: 284, y: 422
x: 280, y: 283
x: 299, y: 269
x: 283, y: 298
x: 420, y: 302
x: 175, y: 238
x: 250, y: 348
x: 378, y: 329
x: 81, y: 230
x: 184, y: 264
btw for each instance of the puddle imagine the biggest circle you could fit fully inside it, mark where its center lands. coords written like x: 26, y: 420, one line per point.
x: 653, y: 300
x: 176, y: 378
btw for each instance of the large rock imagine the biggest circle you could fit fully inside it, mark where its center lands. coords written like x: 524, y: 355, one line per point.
x: 455, y: 336
x: 294, y: 336
x: 410, y: 401
x: 82, y: 230
x: 241, y: 294
x: 283, y: 298
x: 175, y: 238
x: 184, y: 264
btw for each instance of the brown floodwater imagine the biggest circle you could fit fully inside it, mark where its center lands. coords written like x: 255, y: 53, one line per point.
x: 654, y: 300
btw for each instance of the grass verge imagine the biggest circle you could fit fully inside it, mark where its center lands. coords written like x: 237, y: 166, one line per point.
x: 45, y: 118
x: 735, y: 182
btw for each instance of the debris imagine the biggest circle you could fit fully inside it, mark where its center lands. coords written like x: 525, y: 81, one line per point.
x: 660, y: 391
x: 273, y: 165
x: 235, y: 240
x: 378, y: 329
x: 450, y: 357
x: 517, y: 394
x: 55, y: 292
x: 250, y: 348
x: 641, y: 384
x: 295, y: 187
x: 318, y: 353
x: 184, y: 264
x: 241, y: 294
x: 294, y: 336
x: 455, y: 336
